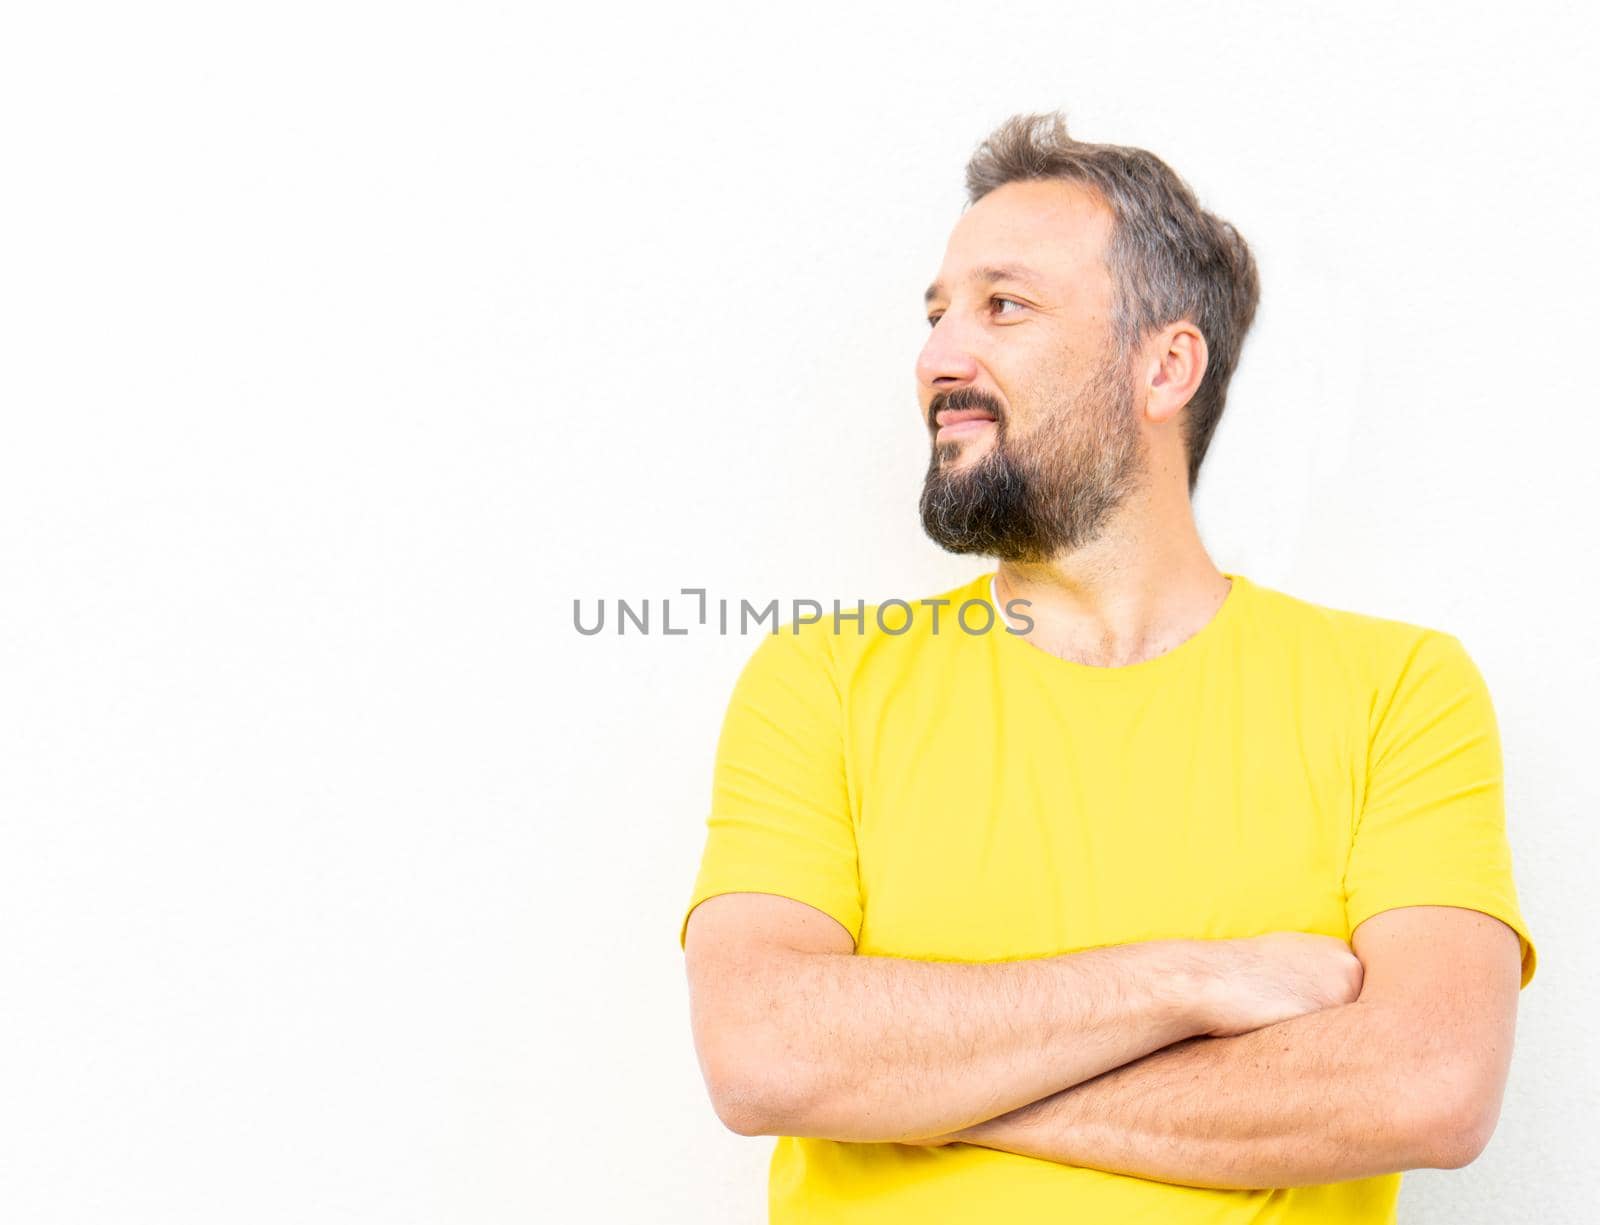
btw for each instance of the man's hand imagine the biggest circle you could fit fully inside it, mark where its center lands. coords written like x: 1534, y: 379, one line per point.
x: 1280, y: 976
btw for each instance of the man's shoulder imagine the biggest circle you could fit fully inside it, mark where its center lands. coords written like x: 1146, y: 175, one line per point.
x: 1376, y: 649
x: 1338, y: 618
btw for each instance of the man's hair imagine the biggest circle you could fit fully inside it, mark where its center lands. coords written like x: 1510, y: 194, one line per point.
x: 1168, y: 258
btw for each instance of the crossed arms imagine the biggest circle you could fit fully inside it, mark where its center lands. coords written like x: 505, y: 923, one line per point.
x: 1282, y: 1060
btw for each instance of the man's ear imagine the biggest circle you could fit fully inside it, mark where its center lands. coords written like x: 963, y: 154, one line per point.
x: 1178, y: 366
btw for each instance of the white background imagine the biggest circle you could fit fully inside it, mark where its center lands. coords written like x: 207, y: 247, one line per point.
x: 344, y: 346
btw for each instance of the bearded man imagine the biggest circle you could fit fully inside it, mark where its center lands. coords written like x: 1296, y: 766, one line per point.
x: 1171, y: 897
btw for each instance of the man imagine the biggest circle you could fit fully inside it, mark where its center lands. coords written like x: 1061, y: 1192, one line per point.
x: 1169, y: 898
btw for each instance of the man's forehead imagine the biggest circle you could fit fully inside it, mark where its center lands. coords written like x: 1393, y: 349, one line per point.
x: 1044, y: 234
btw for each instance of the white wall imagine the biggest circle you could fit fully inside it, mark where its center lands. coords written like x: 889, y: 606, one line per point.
x: 344, y: 345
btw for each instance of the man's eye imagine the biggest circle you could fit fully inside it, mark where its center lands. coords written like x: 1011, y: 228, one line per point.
x: 933, y: 320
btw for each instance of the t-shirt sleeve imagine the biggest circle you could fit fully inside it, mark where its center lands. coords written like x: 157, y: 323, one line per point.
x: 1432, y: 828
x: 780, y: 818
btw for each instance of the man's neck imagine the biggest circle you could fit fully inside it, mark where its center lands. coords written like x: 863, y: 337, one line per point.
x: 1112, y: 614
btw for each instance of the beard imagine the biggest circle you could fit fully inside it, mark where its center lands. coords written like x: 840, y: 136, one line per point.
x: 1051, y: 492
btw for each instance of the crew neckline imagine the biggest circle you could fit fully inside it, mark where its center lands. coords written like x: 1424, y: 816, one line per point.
x: 1191, y: 647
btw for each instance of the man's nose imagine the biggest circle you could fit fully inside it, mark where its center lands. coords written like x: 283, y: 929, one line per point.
x: 946, y: 359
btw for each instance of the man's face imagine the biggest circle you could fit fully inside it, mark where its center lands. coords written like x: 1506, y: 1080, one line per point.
x: 1022, y: 311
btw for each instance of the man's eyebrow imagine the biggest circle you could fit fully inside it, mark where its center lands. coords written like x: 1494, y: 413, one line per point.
x: 986, y: 276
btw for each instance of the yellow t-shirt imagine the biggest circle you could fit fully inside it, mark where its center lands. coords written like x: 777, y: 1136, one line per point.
x: 967, y: 796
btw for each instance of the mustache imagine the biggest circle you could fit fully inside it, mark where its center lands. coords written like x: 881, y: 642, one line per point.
x: 963, y: 400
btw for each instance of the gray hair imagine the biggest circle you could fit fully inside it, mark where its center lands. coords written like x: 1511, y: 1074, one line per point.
x: 1168, y: 258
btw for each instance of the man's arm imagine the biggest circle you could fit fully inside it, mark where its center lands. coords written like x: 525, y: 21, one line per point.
x: 798, y: 1036
x: 1409, y: 1075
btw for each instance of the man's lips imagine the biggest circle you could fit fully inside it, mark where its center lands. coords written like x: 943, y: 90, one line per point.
x: 967, y: 421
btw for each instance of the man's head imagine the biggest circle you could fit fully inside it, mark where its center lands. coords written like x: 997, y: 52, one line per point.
x: 1095, y: 313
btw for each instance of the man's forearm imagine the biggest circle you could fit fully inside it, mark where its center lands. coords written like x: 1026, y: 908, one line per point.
x: 1342, y: 1093
x: 868, y: 1048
